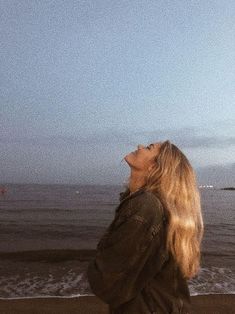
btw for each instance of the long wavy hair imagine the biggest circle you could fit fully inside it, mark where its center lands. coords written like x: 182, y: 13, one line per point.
x: 173, y: 180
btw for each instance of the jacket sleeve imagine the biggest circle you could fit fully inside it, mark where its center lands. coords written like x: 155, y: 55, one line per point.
x: 114, y: 273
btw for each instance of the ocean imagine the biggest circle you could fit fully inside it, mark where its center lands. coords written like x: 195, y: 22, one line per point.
x: 47, y: 233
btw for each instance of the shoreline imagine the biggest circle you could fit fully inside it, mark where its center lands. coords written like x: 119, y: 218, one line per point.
x: 92, y: 295
x: 89, y: 304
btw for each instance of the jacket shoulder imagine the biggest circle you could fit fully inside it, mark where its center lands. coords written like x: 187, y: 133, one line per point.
x: 148, y: 206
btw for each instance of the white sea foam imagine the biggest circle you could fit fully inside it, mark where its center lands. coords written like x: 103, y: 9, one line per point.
x: 70, y: 284
x: 213, y: 280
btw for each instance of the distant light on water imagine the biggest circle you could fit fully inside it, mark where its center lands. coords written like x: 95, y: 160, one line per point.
x: 206, y: 186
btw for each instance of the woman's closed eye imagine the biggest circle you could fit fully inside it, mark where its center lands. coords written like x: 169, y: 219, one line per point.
x: 149, y: 146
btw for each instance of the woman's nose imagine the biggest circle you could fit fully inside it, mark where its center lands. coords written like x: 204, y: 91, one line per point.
x: 140, y: 146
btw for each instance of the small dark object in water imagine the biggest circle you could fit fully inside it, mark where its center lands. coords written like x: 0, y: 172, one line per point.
x: 2, y: 190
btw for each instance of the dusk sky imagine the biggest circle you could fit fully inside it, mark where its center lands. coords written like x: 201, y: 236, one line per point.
x: 84, y: 82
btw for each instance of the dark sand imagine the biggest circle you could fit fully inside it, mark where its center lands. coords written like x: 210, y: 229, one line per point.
x: 204, y: 304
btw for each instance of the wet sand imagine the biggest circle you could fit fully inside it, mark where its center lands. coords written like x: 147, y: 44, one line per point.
x: 203, y: 304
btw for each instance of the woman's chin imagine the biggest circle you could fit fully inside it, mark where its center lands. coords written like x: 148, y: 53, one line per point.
x: 127, y: 158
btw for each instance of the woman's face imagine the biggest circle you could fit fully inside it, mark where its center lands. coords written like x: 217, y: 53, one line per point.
x: 143, y: 157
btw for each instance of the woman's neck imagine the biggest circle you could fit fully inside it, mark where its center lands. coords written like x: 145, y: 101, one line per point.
x: 136, y: 182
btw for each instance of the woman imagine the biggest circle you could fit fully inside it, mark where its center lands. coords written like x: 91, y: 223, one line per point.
x: 152, y: 247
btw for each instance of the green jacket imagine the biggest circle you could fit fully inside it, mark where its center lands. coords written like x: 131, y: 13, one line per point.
x: 132, y: 271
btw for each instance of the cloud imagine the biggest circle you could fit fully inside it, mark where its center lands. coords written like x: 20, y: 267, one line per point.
x: 183, y: 137
x: 206, y: 141
x: 188, y: 138
x: 217, y: 175
x: 57, y: 140
x: 224, y: 123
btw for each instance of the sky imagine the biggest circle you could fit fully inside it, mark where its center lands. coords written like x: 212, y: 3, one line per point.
x: 84, y: 82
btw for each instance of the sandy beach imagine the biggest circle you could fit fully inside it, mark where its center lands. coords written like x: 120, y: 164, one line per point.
x: 203, y: 304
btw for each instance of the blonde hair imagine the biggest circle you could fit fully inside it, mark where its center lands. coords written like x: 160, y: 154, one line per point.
x: 173, y: 179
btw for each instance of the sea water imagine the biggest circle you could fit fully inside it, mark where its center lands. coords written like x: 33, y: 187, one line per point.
x: 45, y: 228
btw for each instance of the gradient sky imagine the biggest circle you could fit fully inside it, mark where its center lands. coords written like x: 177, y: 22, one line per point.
x: 84, y: 82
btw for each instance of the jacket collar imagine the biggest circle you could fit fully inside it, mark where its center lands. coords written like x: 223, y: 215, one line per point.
x: 127, y: 195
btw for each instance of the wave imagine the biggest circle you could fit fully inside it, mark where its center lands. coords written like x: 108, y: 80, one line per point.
x: 219, y: 254
x: 50, y: 255
x: 54, y: 255
x: 93, y: 295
